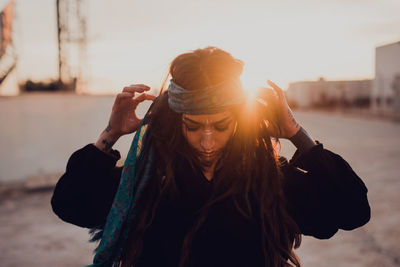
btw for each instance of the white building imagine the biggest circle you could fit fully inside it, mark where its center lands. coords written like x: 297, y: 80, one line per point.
x: 385, y: 92
x: 329, y: 93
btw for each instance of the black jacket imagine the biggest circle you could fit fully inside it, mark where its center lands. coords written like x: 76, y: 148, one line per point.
x: 323, y: 192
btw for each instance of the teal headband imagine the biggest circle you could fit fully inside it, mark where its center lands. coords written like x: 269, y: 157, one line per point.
x: 212, y: 99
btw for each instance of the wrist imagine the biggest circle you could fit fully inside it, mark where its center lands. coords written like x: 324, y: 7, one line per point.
x: 302, y: 140
x: 111, y: 135
x: 293, y: 131
x: 106, y: 141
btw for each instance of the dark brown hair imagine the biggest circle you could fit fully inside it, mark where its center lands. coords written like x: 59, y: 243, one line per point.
x: 254, y: 184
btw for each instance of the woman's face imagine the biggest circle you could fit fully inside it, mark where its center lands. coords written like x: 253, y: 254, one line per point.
x: 208, y: 134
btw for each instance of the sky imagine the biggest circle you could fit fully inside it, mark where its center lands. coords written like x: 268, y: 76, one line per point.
x: 134, y: 41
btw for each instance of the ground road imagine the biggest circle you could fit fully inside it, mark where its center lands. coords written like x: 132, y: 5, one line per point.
x: 31, y: 235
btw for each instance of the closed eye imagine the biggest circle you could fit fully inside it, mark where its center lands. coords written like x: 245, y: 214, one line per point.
x: 221, y: 128
x: 191, y: 128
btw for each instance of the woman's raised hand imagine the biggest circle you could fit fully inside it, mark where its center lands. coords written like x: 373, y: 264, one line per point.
x: 123, y: 119
x: 280, y: 119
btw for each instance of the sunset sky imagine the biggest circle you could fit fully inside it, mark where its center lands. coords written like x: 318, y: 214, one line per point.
x: 284, y: 41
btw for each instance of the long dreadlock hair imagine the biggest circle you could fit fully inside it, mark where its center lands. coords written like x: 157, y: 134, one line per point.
x: 254, y: 183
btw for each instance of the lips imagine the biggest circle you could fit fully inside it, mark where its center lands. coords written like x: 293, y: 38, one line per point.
x: 207, y: 155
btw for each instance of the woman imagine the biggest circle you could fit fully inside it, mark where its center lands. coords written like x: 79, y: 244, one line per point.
x: 202, y: 184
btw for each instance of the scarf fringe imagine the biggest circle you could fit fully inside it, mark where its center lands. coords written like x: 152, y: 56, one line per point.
x: 96, y: 234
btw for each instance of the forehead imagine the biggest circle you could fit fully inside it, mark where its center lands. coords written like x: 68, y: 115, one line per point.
x: 208, y: 118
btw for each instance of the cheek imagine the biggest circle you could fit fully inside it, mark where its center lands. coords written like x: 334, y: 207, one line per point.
x: 193, y: 138
x: 223, y: 138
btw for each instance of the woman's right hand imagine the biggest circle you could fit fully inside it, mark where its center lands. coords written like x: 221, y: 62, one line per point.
x: 123, y: 119
x: 280, y: 120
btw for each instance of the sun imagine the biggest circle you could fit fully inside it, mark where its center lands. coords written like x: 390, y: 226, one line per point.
x: 251, y: 82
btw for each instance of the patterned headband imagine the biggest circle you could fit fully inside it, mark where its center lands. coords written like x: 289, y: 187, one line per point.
x: 212, y: 99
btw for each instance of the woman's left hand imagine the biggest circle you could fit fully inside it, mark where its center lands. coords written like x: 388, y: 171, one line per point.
x: 280, y: 120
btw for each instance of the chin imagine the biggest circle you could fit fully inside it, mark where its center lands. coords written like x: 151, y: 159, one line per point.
x: 207, y: 161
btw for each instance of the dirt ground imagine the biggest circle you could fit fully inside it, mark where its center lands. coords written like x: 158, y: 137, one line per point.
x: 31, y: 235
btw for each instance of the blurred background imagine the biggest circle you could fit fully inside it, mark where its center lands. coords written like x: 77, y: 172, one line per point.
x: 63, y: 61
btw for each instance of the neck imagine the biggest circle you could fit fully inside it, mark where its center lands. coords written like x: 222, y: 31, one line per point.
x: 208, y: 175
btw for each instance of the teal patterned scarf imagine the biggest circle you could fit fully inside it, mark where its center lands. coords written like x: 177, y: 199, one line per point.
x: 211, y: 99
x: 136, y: 174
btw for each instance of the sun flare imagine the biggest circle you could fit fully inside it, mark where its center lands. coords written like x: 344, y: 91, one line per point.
x: 251, y: 82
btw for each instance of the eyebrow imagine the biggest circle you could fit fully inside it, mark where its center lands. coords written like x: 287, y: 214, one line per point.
x: 196, y: 122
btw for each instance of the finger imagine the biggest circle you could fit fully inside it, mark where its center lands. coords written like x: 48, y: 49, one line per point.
x: 268, y: 96
x: 147, y: 88
x: 265, y: 92
x: 277, y: 89
x: 261, y: 102
x: 134, y: 89
x: 144, y: 97
x: 139, y: 88
x: 124, y: 95
x: 136, y: 119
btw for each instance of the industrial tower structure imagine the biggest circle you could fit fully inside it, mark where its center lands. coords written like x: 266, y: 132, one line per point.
x: 8, y: 53
x: 72, y: 42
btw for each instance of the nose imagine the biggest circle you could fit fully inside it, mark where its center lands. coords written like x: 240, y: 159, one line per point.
x: 207, y: 141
